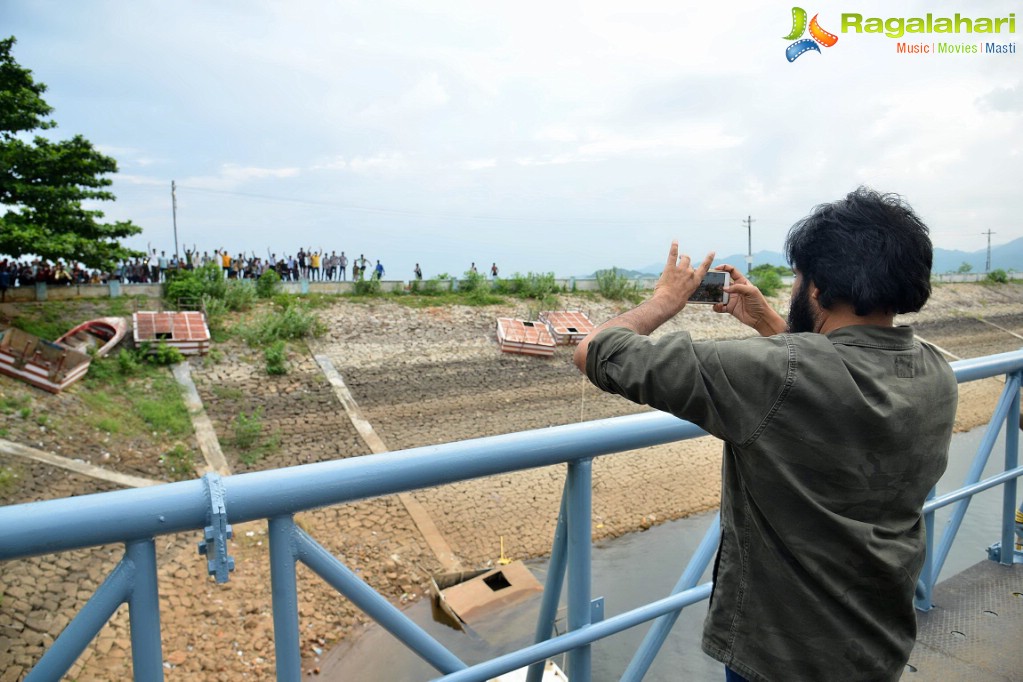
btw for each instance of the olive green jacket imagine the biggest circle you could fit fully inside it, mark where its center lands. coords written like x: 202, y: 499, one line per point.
x: 832, y: 443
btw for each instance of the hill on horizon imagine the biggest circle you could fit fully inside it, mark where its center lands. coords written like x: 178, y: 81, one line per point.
x: 1008, y: 256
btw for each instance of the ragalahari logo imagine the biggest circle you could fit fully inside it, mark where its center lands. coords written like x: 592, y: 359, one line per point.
x: 817, y: 35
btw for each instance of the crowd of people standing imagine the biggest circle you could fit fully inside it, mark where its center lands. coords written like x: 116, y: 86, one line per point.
x: 154, y: 267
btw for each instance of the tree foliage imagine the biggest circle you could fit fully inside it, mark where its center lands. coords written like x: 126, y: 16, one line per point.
x: 767, y: 277
x: 44, y: 183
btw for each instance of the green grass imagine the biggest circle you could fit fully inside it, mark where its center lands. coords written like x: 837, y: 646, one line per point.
x: 50, y: 319
x: 108, y: 424
x: 131, y: 397
x: 161, y: 407
x: 179, y: 462
x: 248, y: 438
x: 8, y: 479
x: 10, y: 405
x: 227, y: 393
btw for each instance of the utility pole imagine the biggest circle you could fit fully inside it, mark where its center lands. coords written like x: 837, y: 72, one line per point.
x: 987, y: 265
x: 749, y: 243
x: 174, y: 211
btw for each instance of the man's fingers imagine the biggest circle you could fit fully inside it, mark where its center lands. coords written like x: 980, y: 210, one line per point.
x: 741, y: 288
x: 705, y: 265
x: 734, y: 272
x: 673, y: 253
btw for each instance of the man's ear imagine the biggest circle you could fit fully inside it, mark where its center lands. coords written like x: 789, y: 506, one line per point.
x: 814, y: 291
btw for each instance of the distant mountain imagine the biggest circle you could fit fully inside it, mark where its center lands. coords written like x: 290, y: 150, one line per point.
x: 1005, y: 256
x: 631, y: 274
x: 738, y: 260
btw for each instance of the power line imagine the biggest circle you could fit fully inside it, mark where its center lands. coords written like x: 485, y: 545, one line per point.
x: 456, y: 216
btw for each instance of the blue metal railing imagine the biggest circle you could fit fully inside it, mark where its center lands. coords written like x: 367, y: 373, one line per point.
x: 135, y: 517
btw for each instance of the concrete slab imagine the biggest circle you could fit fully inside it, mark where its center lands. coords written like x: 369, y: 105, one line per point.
x: 420, y: 516
x: 77, y: 466
x: 205, y: 434
x: 975, y: 630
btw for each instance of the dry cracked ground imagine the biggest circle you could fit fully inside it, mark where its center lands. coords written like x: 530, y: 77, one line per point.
x: 421, y: 376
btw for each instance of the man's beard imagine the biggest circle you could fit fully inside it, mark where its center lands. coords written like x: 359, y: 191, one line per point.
x: 801, y: 314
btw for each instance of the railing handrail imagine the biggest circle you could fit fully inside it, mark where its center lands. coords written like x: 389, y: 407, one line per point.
x: 124, y: 515
x: 135, y: 517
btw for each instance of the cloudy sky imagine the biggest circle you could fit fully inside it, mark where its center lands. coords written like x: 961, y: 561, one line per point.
x: 543, y: 135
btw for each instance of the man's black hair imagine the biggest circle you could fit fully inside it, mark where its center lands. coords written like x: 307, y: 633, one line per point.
x: 869, y: 250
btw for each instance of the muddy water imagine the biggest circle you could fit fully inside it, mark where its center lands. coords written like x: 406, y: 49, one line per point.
x: 629, y: 571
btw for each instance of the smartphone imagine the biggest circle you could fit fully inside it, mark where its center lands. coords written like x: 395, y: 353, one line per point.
x: 712, y: 288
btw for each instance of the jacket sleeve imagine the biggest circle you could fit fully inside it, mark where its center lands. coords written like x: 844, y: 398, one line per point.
x: 731, y: 389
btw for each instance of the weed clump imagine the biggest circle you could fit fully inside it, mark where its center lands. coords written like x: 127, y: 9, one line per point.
x: 248, y: 437
x: 179, y: 462
x: 616, y: 286
x: 275, y: 358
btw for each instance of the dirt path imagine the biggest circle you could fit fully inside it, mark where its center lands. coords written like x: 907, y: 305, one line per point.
x: 420, y: 377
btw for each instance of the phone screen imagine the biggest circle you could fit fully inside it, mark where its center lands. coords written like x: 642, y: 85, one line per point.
x: 712, y: 288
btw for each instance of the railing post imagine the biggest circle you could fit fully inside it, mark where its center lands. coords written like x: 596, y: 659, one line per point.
x: 1012, y: 425
x: 925, y: 584
x: 284, y: 593
x: 69, y: 645
x: 580, y: 502
x: 144, y: 612
x: 658, y: 632
x: 552, y: 585
x: 976, y: 470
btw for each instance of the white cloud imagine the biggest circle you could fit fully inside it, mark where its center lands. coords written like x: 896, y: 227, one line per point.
x: 379, y: 164
x: 428, y: 93
x: 668, y: 112
x: 478, y: 164
x: 233, y: 176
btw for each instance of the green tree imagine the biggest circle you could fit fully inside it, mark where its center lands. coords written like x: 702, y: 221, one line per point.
x: 44, y: 183
x: 767, y: 277
x: 964, y: 268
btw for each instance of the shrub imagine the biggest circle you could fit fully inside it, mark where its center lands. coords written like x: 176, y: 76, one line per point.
x: 268, y: 285
x: 432, y: 286
x: 367, y: 287
x: 247, y: 429
x: 998, y: 276
x: 161, y: 354
x: 481, y: 296
x: 473, y: 281
x: 768, y: 281
x: 240, y: 294
x: 127, y: 362
x: 296, y: 321
x: 615, y: 286
x: 186, y: 289
x: 275, y: 358
x: 532, y: 285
